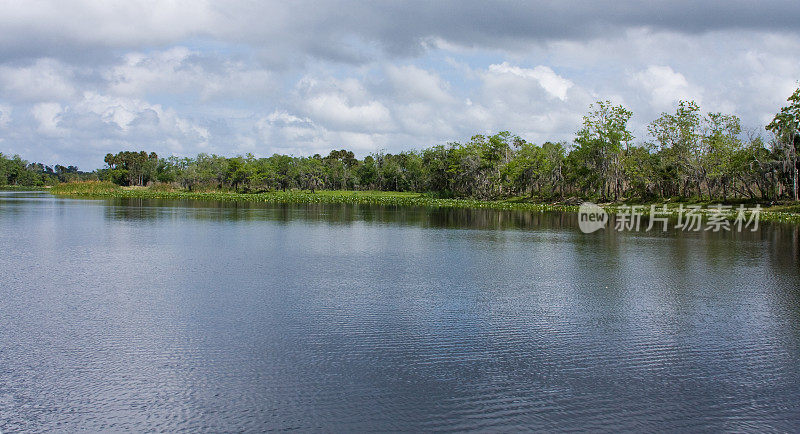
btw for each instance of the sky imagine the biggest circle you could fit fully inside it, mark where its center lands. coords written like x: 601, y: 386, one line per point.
x: 79, y: 79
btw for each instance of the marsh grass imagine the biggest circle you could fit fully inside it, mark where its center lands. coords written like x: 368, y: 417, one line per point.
x: 160, y: 187
x: 86, y: 188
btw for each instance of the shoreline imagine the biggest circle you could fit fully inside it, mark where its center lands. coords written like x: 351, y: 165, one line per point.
x: 22, y: 188
x: 779, y: 213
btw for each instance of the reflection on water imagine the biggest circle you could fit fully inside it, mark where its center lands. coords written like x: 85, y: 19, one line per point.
x: 131, y: 209
x: 781, y: 240
x: 165, y: 315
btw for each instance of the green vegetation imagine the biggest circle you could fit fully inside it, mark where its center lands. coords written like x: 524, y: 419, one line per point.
x: 687, y: 157
x: 130, y: 168
x: 786, y: 128
x: 18, y: 174
x: 87, y: 188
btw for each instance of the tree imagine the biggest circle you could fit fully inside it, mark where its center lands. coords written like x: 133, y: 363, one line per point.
x: 720, y: 145
x: 339, y: 165
x: 282, y: 166
x: 435, y: 163
x: 553, y: 164
x: 678, y: 140
x: 601, y: 140
x: 526, y: 169
x: 367, y: 173
x: 785, y: 126
x: 167, y: 170
x: 131, y: 168
x: 239, y: 171
x: 310, y: 173
x: 639, y: 167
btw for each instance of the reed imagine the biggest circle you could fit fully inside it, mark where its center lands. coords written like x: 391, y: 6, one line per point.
x: 86, y: 188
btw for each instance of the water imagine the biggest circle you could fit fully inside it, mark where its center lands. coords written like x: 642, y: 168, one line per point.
x: 144, y: 315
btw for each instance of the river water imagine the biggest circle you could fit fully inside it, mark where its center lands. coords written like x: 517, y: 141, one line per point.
x: 165, y: 315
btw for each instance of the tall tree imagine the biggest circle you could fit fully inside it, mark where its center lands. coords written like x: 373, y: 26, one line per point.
x: 785, y: 126
x: 602, y: 138
x: 678, y: 137
x: 720, y: 145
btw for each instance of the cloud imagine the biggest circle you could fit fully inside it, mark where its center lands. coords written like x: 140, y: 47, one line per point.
x: 95, y: 124
x: 53, y: 28
x: 335, y: 108
x: 357, y: 31
x: 81, y: 79
x: 666, y: 87
x: 48, y: 114
x: 5, y: 115
x: 130, y: 118
x: 343, y: 104
x: 287, y: 132
x: 179, y: 70
x: 43, y: 80
x: 412, y: 83
x: 551, y: 82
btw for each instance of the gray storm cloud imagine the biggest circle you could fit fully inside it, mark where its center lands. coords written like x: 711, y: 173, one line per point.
x: 325, y: 29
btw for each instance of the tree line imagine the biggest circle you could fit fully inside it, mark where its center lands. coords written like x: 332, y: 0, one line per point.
x: 686, y: 154
x: 18, y: 172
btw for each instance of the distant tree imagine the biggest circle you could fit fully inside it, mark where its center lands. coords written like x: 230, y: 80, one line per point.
x: 237, y: 173
x: 282, y: 166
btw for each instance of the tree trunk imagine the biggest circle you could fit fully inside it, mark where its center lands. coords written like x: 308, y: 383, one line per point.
x: 724, y: 191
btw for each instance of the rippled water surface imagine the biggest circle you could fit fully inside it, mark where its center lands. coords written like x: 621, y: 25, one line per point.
x: 136, y: 315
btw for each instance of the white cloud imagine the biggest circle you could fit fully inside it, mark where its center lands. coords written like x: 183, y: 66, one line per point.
x: 337, y: 109
x: 107, y: 23
x: 5, y: 115
x: 552, y: 83
x: 281, y: 129
x: 284, y: 117
x: 159, y: 72
x: 289, y: 134
x: 342, y: 105
x: 427, y: 119
x: 415, y: 84
x: 48, y: 115
x: 533, y: 102
x: 179, y: 70
x: 135, y: 117
x: 666, y: 87
x: 44, y: 80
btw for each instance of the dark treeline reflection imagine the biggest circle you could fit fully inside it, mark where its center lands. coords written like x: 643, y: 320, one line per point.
x: 780, y: 240
x: 455, y: 218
